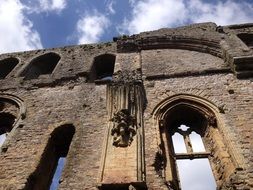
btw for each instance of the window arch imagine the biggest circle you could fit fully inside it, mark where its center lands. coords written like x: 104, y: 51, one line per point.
x: 247, y: 39
x: 12, y: 112
x: 7, y: 65
x: 47, y: 174
x: 192, y: 147
x: 42, y: 65
x: 102, y: 68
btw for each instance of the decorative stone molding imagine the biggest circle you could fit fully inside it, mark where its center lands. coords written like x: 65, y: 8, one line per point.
x: 135, y: 44
x: 127, y: 77
x: 123, y: 129
x: 123, y: 153
x: 17, y: 105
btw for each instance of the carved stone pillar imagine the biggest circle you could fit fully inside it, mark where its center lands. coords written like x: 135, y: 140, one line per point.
x: 122, y: 163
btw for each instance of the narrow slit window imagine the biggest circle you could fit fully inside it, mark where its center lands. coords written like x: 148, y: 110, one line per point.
x: 57, y: 175
x: 48, y: 174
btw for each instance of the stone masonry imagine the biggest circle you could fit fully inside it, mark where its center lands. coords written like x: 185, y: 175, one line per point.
x: 108, y: 108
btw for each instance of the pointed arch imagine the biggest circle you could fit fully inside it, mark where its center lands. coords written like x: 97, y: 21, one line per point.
x: 186, y: 115
x: 12, y: 112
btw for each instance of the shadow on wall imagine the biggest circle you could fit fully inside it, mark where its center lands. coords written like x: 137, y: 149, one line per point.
x: 42, y: 65
x: 56, y: 150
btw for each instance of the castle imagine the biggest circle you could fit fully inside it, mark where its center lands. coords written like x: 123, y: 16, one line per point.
x: 166, y: 109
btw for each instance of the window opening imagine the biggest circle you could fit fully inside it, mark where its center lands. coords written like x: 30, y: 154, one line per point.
x: 6, y: 66
x: 42, y: 65
x: 57, y: 175
x: 102, y: 68
x: 61, y: 138
x: 179, y: 144
x: 247, y: 39
x: 6, y: 124
x: 196, y: 142
x: 47, y: 175
x: 191, y: 169
x: 194, y: 170
x: 195, y: 174
x: 192, y: 123
x: 2, y: 139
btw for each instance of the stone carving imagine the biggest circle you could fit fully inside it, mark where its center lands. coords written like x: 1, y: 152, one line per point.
x: 123, y: 129
x: 212, y: 120
x: 127, y: 77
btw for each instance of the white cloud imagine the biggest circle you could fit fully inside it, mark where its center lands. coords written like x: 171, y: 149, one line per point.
x: 16, y: 32
x: 222, y: 13
x: 155, y: 14
x: 51, y: 5
x: 109, y: 6
x: 91, y: 27
x: 152, y: 14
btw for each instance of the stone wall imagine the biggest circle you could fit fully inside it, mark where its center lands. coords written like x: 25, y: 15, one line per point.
x: 203, y: 61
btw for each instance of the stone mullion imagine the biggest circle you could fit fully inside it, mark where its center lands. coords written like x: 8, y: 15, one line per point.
x: 187, y: 143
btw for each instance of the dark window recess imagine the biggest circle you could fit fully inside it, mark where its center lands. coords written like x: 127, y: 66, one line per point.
x: 6, y: 124
x: 41, y: 65
x: 48, y: 173
x: 247, y: 39
x: 102, y: 68
x: 6, y: 66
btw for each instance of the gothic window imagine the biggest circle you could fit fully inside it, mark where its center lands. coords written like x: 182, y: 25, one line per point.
x: 102, y: 68
x: 191, y: 156
x: 12, y: 111
x: 42, y: 65
x: 6, y: 66
x: 192, y: 146
x: 48, y: 173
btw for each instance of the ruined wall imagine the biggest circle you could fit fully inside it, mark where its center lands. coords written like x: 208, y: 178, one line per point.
x: 202, y: 60
x: 51, y: 101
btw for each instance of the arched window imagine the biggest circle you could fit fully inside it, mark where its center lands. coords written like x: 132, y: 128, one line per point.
x: 102, y: 68
x: 12, y: 112
x: 186, y: 128
x: 194, y: 152
x: 6, y: 66
x: 48, y: 173
x: 42, y: 65
x: 247, y: 39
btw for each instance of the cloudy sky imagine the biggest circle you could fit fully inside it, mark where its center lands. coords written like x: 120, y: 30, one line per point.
x: 35, y: 24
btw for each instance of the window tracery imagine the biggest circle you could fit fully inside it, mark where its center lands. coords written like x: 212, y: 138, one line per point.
x: 191, y: 143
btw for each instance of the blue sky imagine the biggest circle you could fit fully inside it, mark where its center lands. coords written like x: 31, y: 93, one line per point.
x: 36, y: 24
